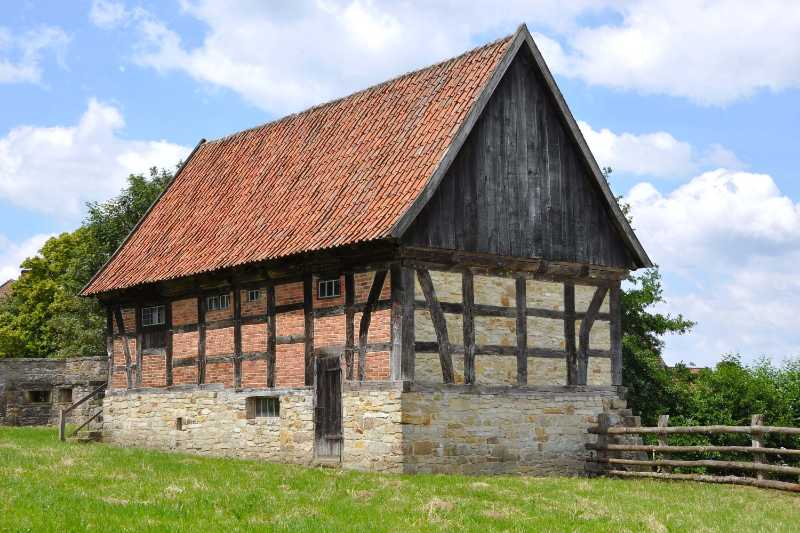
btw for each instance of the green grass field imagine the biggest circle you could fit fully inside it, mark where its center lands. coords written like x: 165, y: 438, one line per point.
x: 49, y: 486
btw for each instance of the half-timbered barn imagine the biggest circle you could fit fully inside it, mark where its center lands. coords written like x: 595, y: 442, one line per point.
x: 421, y: 276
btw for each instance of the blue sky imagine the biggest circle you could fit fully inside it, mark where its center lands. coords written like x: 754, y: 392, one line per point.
x: 699, y: 119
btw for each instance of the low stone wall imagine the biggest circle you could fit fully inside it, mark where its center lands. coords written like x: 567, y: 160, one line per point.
x: 56, y: 383
x: 387, y: 426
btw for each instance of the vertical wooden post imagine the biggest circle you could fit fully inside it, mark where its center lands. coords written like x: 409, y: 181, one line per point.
x: 308, y: 321
x: 522, y: 332
x: 757, y: 440
x: 569, y: 334
x: 272, y: 335
x: 168, y: 347
x: 402, y: 284
x: 468, y: 296
x: 615, y: 310
x: 139, y: 339
x: 439, y: 324
x: 663, y: 421
x: 201, y: 339
x: 110, y: 343
x: 237, y: 336
x: 350, y: 332
x: 603, y: 423
x: 409, y: 328
x: 125, y: 348
x: 62, y: 425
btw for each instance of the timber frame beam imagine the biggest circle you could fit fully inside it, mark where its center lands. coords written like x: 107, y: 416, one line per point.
x: 412, y: 263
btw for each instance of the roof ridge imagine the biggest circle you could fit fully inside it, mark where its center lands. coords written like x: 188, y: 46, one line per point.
x: 364, y: 90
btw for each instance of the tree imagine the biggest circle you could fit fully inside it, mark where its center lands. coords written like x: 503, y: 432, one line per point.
x: 651, y: 388
x: 44, y: 316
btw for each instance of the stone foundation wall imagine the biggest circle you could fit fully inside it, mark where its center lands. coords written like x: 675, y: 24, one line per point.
x: 213, y: 421
x: 500, y: 431
x: 456, y: 429
x: 372, y: 426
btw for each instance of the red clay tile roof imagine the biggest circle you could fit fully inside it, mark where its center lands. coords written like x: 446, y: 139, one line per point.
x: 340, y: 173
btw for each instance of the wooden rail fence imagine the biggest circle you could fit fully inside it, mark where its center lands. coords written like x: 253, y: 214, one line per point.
x: 62, y: 414
x: 607, y: 458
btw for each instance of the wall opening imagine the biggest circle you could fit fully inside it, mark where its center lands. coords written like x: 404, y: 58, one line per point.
x: 37, y: 396
x: 263, y: 407
x: 65, y: 395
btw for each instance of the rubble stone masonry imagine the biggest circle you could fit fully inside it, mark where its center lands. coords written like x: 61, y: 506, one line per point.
x: 448, y: 429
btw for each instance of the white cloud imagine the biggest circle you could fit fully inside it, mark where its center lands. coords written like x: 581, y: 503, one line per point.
x: 21, y: 55
x: 657, y: 154
x: 728, y: 243
x: 711, y: 52
x: 285, y: 56
x: 57, y: 169
x: 108, y: 13
x: 12, y: 254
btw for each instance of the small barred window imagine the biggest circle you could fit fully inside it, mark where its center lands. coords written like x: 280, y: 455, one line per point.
x: 329, y: 288
x: 263, y: 407
x: 253, y: 295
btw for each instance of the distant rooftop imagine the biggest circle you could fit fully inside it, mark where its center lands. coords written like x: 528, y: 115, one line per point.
x: 5, y: 288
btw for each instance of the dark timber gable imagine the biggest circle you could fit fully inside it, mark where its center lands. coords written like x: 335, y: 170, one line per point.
x: 520, y: 185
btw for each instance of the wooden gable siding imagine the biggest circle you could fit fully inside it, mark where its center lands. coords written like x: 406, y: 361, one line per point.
x: 520, y: 186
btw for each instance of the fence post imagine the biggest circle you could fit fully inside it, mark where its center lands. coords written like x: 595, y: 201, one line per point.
x: 603, y: 423
x: 756, y: 437
x: 61, y: 425
x: 663, y: 421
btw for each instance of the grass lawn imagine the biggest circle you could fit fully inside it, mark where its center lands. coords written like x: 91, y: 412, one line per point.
x: 49, y: 486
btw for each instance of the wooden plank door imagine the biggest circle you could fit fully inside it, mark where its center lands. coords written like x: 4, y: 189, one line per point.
x: 328, y: 409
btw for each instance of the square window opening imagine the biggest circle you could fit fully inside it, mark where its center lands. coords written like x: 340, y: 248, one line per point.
x: 253, y: 295
x: 38, y: 396
x: 154, y: 316
x: 65, y: 395
x: 329, y: 288
x: 263, y: 407
x: 218, y: 302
